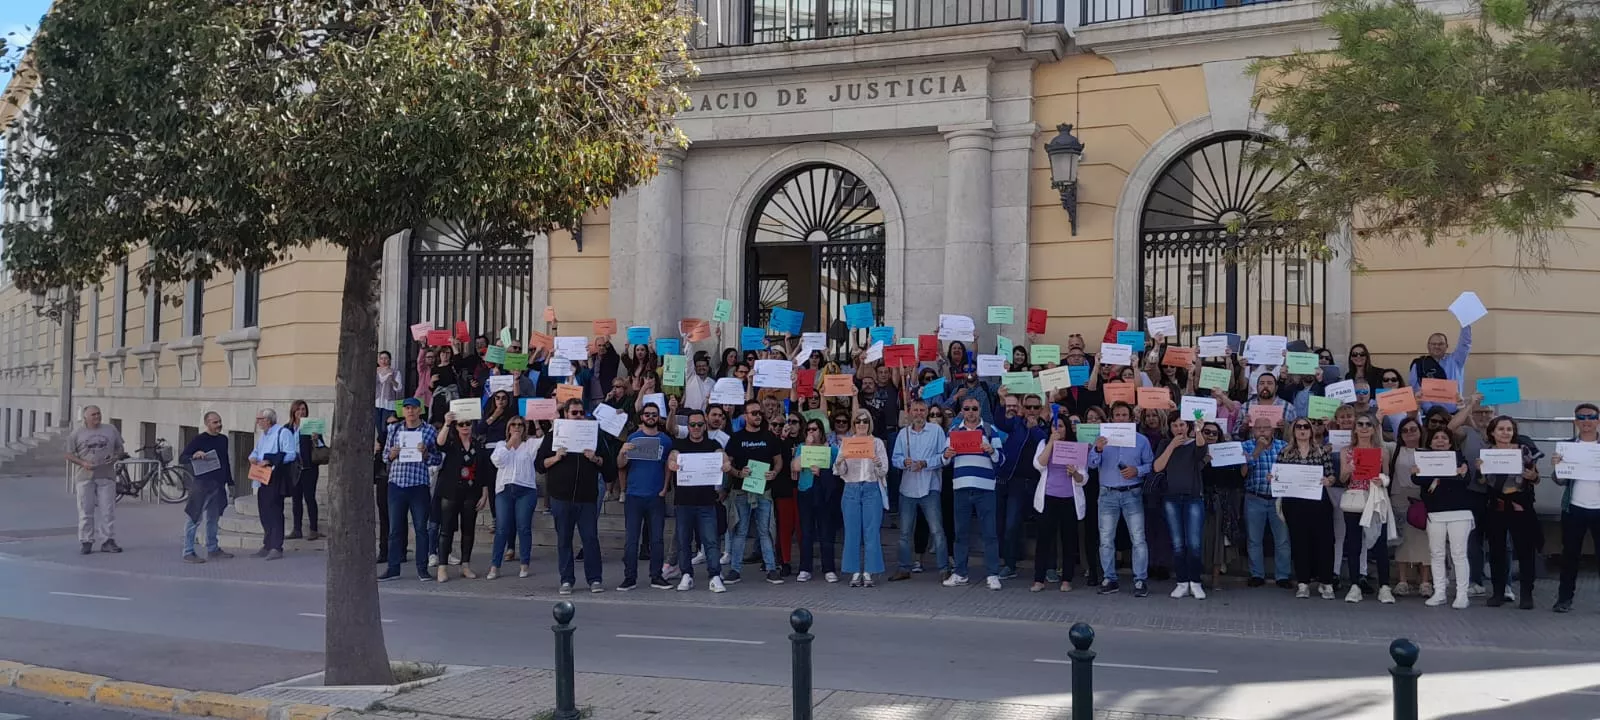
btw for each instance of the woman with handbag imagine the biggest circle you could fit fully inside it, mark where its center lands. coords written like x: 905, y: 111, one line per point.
x: 460, y: 492
x: 1511, y: 512
x: 313, y: 454
x: 1412, y: 555
x: 1366, y: 508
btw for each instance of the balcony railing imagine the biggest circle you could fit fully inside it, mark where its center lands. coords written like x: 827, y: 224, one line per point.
x: 758, y: 22
x: 1099, y: 11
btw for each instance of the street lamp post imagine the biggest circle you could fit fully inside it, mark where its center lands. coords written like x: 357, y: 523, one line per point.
x: 60, y: 305
x: 1065, y: 151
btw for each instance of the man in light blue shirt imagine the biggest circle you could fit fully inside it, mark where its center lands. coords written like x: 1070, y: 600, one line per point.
x: 276, y: 450
x: 919, y: 454
x: 1442, y: 364
x: 1122, y: 474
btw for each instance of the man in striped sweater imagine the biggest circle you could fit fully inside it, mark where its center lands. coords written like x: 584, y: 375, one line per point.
x: 974, y: 476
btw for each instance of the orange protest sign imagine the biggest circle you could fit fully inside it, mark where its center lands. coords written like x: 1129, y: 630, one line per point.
x: 541, y: 341
x: 566, y: 392
x: 694, y: 329
x: 261, y: 474
x: 606, y: 327
x: 549, y: 313
x: 838, y: 385
x: 1154, y: 398
x: 1439, y: 391
x: 1398, y: 401
x: 1270, y: 413
x: 1120, y: 392
x: 540, y: 409
x: 857, y: 448
x: 1178, y: 357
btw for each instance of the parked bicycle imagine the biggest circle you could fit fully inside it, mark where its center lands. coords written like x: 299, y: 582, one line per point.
x: 154, y: 468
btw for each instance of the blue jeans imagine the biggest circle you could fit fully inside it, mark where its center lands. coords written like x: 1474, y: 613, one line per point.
x: 513, y: 513
x: 414, y: 500
x: 210, y: 498
x: 1258, y: 512
x: 746, y: 505
x: 1019, y: 498
x: 698, y: 521
x: 636, y: 510
x: 585, y: 519
x: 863, y: 528
x: 929, y: 506
x: 1127, y: 505
x: 1186, y: 520
x: 967, y: 501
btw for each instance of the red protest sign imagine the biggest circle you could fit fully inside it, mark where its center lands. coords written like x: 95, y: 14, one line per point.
x: 462, y: 333
x: 1037, y: 319
x: 438, y: 338
x: 928, y: 347
x: 1368, y: 462
x: 899, y: 356
x: 1114, y: 326
x: 966, y: 441
x: 805, y: 384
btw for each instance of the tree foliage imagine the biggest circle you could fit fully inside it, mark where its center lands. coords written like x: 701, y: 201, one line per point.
x: 1419, y: 128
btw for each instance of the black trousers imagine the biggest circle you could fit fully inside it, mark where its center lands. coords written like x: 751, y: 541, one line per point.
x: 1310, y: 539
x: 380, y: 496
x: 1523, y: 527
x: 1090, y: 525
x: 1575, y: 523
x: 269, y: 505
x: 458, y: 513
x: 1058, y: 527
x: 305, y: 497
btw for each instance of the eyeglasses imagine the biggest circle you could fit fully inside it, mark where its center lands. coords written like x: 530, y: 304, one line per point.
x: 1363, y: 424
x: 1032, y: 407
x: 791, y: 422
x: 755, y: 414
x: 862, y: 421
x: 575, y: 414
x: 1585, y: 416
x: 1301, y: 426
x: 1358, y: 354
x: 970, y: 408
x: 697, y: 424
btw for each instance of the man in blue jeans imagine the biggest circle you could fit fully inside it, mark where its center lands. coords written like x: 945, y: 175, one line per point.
x: 1024, y: 429
x: 919, y: 454
x: 643, y: 462
x: 1122, y: 474
x: 1259, y: 508
x: 973, y: 484
x: 697, y: 504
x: 408, y: 485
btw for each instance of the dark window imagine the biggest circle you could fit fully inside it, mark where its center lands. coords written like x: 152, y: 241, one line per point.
x: 196, y: 308
x: 252, y: 299
x: 122, y: 286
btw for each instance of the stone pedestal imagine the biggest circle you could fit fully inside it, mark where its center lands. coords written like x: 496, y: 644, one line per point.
x: 658, y: 258
x: 969, y: 239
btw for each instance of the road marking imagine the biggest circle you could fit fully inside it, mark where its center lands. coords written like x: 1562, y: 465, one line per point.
x: 320, y: 616
x: 92, y: 597
x: 1595, y: 693
x: 726, y: 641
x: 1160, y: 668
x: 9, y: 716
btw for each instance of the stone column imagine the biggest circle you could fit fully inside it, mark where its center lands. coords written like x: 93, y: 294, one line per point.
x: 658, y: 250
x: 969, y: 229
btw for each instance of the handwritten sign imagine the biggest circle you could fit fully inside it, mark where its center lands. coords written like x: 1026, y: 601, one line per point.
x: 1436, y: 390
x: 1178, y: 357
x: 1302, y: 363
x: 1045, y: 354
x: 419, y: 331
x: 859, y: 316
x: 1499, y: 390
x: 896, y: 356
x: 1001, y: 314
x: 786, y: 322
x: 538, y: 408
x: 857, y: 448
x: 1037, y: 319
x: 1119, y: 392
x: 722, y: 311
x: 1117, y: 354
x: 638, y: 335
x: 1270, y: 413
x: 438, y: 338
x: 815, y: 456
x: 1322, y: 408
x: 1132, y: 338
x: 1154, y: 398
x: 752, y: 338
x: 838, y: 385
x: 1214, y: 378
x: 1398, y: 401
x: 966, y: 441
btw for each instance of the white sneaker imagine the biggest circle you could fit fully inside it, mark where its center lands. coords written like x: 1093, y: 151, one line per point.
x: 994, y: 582
x: 1461, y: 602
x: 1425, y: 589
x: 727, y: 560
x: 1181, y: 591
x: 455, y: 559
x: 1327, y: 592
x: 686, y: 583
x: 832, y: 577
x: 1198, y: 592
x: 1385, y: 596
x: 803, y: 577
x: 1354, y: 596
x: 717, y: 586
x: 916, y: 567
x: 955, y: 580
x: 1302, y: 591
x: 699, y: 558
x: 1511, y: 597
x: 1402, y: 589
x: 1437, y: 599
x: 433, y: 560
x: 1476, y: 591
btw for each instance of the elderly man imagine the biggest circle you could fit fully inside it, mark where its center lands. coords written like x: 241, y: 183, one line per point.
x: 271, y: 461
x: 93, y: 451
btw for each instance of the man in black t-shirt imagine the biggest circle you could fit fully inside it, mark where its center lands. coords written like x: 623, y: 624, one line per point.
x: 697, y: 505
x: 752, y: 494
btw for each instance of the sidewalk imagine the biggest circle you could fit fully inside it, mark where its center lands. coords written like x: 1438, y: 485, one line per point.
x: 500, y: 693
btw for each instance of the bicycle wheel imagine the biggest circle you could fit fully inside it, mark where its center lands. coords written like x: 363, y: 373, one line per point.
x: 172, y: 486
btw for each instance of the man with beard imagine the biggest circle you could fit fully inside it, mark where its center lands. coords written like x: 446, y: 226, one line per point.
x: 697, y: 507
x: 753, y: 443
x: 644, y: 487
x: 1266, y: 394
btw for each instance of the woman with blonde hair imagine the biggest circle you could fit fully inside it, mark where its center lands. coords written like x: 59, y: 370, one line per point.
x: 865, y: 500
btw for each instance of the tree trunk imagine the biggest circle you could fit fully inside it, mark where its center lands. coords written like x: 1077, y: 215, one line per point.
x: 354, y: 646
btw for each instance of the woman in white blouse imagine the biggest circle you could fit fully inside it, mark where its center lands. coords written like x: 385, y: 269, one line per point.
x: 516, y: 493
x: 865, y: 500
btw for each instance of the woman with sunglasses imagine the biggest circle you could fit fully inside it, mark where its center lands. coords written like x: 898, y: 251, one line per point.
x: 1511, y: 511
x: 1412, y: 556
x: 516, y: 492
x: 1224, y: 505
x: 572, y: 480
x: 865, y: 500
x: 1183, y: 501
x: 1059, y: 511
x: 1366, y: 497
x: 1310, y: 522
x: 817, y: 492
x: 1360, y: 366
x: 1390, y: 380
x: 785, y: 500
x: 459, y: 493
x: 1449, y: 504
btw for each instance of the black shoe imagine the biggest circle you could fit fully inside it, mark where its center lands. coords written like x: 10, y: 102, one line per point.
x: 774, y: 578
x: 110, y: 546
x: 261, y: 553
x: 219, y: 555
x: 1140, y: 589
x: 1365, y: 585
x: 424, y: 576
x: 194, y: 559
x: 627, y: 585
x: 1562, y: 606
x: 1527, y: 602
x: 661, y: 584
x: 730, y: 577
x: 1285, y: 585
x: 1256, y: 582
x: 1109, y: 587
x: 785, y: 570
x: 294, y: 536
x: 86, y: 549
x: 389, y: 575
x: 1496, y: 600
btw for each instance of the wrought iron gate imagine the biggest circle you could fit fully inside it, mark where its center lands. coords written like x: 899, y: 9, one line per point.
x: 453, y: 279
x: 816, y: 244
x: 1202, y: 208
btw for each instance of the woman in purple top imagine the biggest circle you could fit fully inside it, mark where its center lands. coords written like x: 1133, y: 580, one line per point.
x: 1058, y: 519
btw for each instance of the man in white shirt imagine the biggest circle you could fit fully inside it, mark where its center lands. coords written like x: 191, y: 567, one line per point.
x: 1580, y: 506
x: 275, y: 453
x: 697, y: 387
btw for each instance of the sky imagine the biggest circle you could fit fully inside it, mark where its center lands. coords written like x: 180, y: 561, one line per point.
x: 20, y: 17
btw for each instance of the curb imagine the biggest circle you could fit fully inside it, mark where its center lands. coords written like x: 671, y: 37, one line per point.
x: 101, y: 690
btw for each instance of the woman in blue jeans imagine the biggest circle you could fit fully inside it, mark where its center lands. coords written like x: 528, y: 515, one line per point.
x: 865, y: 500
x: 516, y: 493
x: 1185, y: 503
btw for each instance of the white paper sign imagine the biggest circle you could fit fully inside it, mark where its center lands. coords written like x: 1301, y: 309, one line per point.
x: 1344, y: 391
x: 1579, y: 461
x: 1265, y: 349
x: 728, y: 391
x: 1213, y: 346
x: 1207, y: 407
x: 611, y: 419
x: 1056, y: 378
x: 699, y: 469
x: 1227, y: 454
x: 207, y: 462
x: 467, y: 409
x: 991, y: 365
x: 1432, y: 463
x: 773, y: 374
x: 574, y: 347
x: 810, y: 342
x: 1501, y: 462
x: 408, y: 440
x: 956, y: 327
x: 1468, y: 309
x: 502, y: 382
x: 1340, y: 439
x: 1120, y: 434
x: 1116, y: 354
x: 558, y: 367
x: 1165, y: 326
x: 874, y: 353
x: 657, y: 399
x: 576, y: 436
x: 1297, y: 481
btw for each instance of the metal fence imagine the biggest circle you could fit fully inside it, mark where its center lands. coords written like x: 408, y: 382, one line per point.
x: 756, y: 22
x: 1099, y: 11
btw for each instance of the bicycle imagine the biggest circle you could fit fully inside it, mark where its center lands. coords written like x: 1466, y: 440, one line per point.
x: 171, y: 482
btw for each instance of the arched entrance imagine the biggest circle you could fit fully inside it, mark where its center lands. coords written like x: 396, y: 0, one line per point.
x: 1200, y: 210
x: 815, y: 243
x: 452, y: 278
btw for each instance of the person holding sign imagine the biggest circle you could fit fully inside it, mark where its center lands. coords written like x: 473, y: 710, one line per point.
x: 410, y: 450
x: 1058, y: 517
x: 1309, y: 521
x: 643, y: 480
x: 750, y: 488
x: 1260, y: 508
x: 1368, y: 514
x: 272, y: 467
x: 516, y: 494
x: 1449, y: 505
x: 973, y: 453
x: 818, y: 492
x: 1443, y: 364
x: 1266, y: 397
x: 695, y: 492
x: 1511, y: 511
x: 572, y: 482
x: 303, y: 491
x: 1580, y: 504
x: 863, y: 465
x: 1122, y: 474
x: 459, y: 494
x: 208, y: 455
x: 386, y: 393
x: 1182, y: 460
x: 919, y: 454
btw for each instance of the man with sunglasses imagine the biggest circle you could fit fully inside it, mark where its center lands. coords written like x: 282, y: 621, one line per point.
x: 919, y: 454
x: 1122, y: 474
x: 1017, y: 476
x: 1580, y: 505
x: 643, y: 482
x: 753, y: 442
x: 697, y: 507
x: 1260, y: 509
x: 974, y: 474
x: 572, y: 482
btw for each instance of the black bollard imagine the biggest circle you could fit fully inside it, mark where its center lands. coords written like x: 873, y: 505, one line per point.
x: 1082, y: 636
x: 566, y: 684
x: 801, y: 639
x: 1405, y: 674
